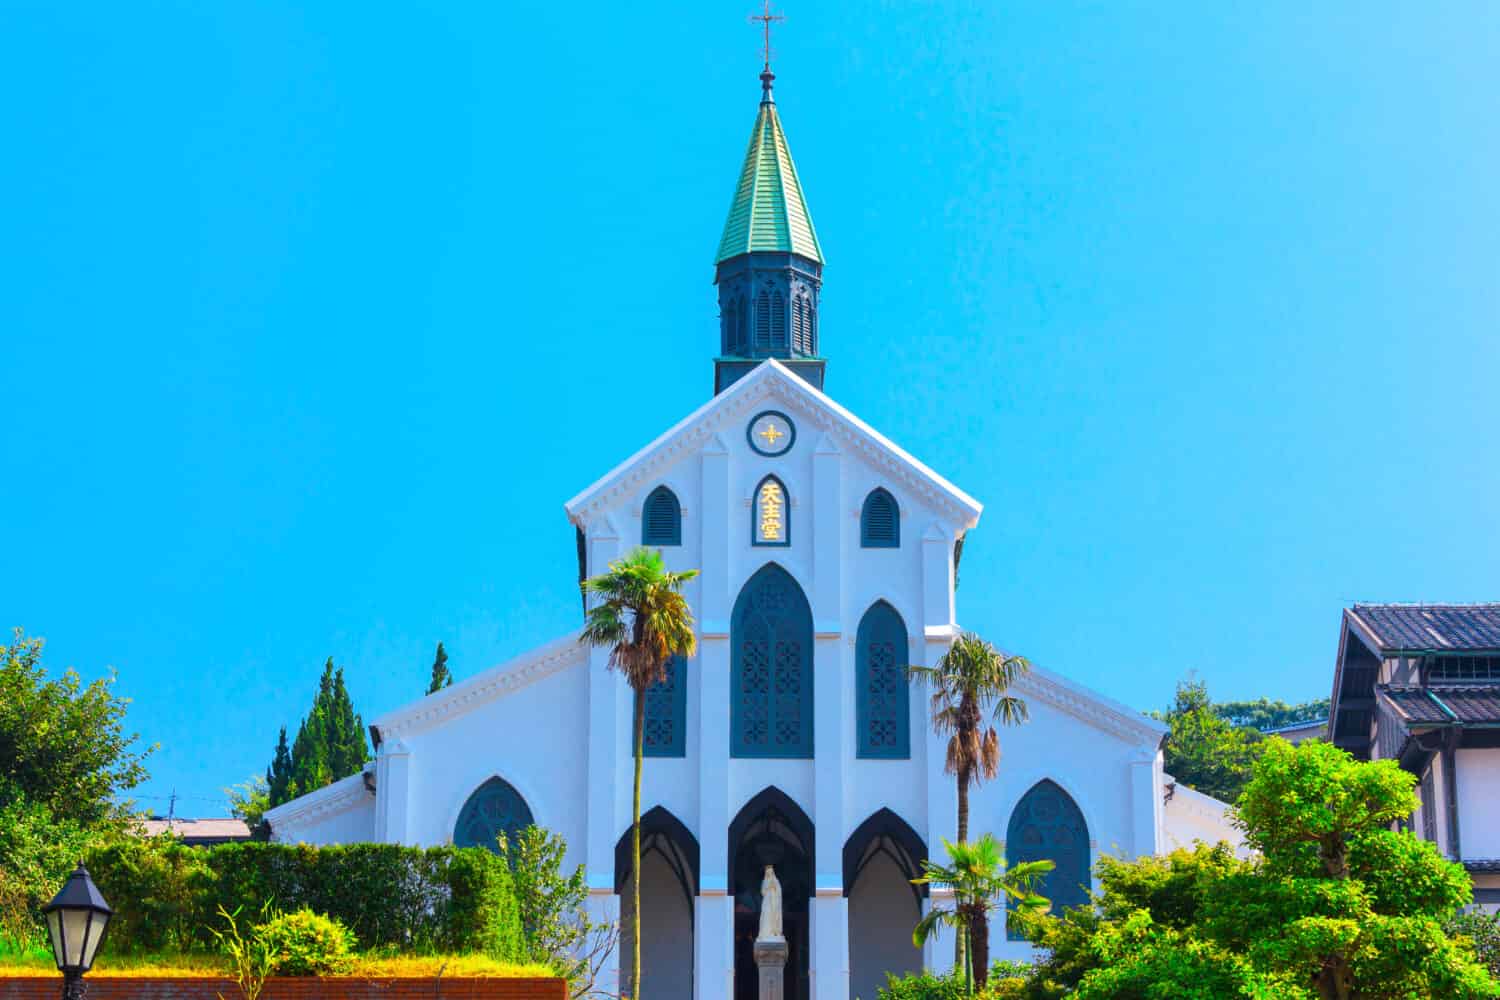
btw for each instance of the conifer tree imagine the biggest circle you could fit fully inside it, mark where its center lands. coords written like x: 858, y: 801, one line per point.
x: 330, y: 743
x: 279, y: 774
x: 441, y: 676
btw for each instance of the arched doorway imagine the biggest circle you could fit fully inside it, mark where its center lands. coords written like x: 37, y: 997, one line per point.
x: 881, y: 857
x: 771, y: 642
x: 1048, y: 825
x: 669, y: 882
x: 773, y: 830
x: 494, y: 808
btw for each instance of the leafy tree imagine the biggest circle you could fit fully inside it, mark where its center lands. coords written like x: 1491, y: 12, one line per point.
x: 1266, y: 714
x: 554, y: 922
x: 1482, y: 931
x: 441, y: 676
x: 249, y: 800
x: 972, y: 680
x: 330, y: 743
x: 981, y: 883
x: 63, y: 744
x: 1338, y: 906
x: 641, y: 616
x: 1203, y: 750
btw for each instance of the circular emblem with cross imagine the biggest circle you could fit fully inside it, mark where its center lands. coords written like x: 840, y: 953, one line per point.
x: 771, y: 433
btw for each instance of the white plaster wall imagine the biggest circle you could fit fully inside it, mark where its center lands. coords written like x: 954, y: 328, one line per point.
x: 1478, y: 802
x: 1191, y: 817
x: 532, y: 738
x: 355, y: 824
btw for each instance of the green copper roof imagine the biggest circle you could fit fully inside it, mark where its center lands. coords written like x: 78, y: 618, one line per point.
x: 768, y: 212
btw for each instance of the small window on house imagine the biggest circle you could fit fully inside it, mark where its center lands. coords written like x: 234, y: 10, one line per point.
x: 880, y: 521
x: 661, y: 518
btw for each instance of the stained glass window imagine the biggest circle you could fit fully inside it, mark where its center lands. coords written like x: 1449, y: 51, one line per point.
x: 881, y: 698
x: 666, y: 713
x: 772, y: 640
x: 1048, y: 825
x: 495, y: 807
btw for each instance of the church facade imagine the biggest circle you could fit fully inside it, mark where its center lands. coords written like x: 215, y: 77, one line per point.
x: 828, y: 558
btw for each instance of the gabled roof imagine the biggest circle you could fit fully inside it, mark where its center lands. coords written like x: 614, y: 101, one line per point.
x: 1430, y: 628
x: 771, y: 378
x: 1042, y: 685
x: 1442, y: 705
x: 483, y: 688
x: 768, y: 213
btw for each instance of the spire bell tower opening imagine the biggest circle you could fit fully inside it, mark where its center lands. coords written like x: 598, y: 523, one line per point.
x: 769, y: 269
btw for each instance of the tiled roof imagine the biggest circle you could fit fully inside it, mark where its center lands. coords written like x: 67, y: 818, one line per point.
x: 1422, y: 628
x: 768, y: 213
x: 197, y: 829
x: 1443, y: 704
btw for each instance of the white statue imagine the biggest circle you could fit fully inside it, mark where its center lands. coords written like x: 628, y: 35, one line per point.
x: 770, y: 907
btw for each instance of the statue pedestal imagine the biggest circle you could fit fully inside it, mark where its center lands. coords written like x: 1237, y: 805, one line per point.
x: 770, y: 959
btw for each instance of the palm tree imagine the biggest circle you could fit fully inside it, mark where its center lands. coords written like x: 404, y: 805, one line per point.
x: 971, y: 676
x: 641, y: 615
x: 980, y: 882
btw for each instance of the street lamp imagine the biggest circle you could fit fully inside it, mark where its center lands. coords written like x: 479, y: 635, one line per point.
x: 76, y: 918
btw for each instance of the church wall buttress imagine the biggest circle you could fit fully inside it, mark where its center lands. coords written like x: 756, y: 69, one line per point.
x: 604, y: 735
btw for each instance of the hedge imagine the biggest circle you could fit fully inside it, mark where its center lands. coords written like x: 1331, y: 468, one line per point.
x: 440, y: 899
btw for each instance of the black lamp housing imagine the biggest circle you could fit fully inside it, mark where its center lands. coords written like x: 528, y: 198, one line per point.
x: 76, y: 919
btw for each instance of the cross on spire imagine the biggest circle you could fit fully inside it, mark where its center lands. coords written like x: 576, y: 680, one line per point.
x: 765, y: 17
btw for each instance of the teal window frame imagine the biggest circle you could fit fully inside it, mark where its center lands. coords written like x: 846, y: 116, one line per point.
x: 771, y: 699
x: 494, y: 806
x: 882, y: 696
x: 869, y: 540
x: 665, y: 732
x: 672, y: 535
x: 1047, y: 825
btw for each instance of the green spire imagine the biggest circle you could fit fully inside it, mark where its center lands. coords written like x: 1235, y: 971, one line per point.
x: 768, y: 213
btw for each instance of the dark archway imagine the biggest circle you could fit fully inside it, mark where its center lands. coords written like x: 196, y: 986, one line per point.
x: 771, y: 675
x: 773, y: 830
x: 881, y: 857
x: 1047, y: 825
x: 669, y: 883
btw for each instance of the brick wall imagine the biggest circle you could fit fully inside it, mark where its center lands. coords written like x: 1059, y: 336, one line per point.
x: 303, y: 988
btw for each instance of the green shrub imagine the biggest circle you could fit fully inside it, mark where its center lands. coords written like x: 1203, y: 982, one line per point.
x: 304, y: 943
x: 923, y: 986
x: 407, y: 899
x: 160, y: 891
x: 1482, y: 930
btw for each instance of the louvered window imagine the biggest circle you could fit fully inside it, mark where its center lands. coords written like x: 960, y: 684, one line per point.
x: 763, y: 321
x: 882, y: 708
x: 742, y: 324
x: 778, y: 321
x: 661, y: 518
x: 731, y: 330
x: 880, y: 521
x: 799, y: 328
x: 812, y: 329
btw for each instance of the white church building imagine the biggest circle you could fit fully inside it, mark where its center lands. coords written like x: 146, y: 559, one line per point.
x: 827, y: 558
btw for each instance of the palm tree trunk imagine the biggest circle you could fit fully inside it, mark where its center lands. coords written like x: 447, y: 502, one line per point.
x: 979, y: 949
x: 960, y: 941
x: 635, y: 849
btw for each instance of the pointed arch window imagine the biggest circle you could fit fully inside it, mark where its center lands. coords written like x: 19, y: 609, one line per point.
x: 1048, y: 825
x: 763, y: 321
x: 771, y: 514
x: 880, y: 521
x: 799, y: 324
x: 778, y: 321
x: 661, y: 518
x: 494, y: 808
x: 771, y: 640
x: 881, y: 700
x: 812, y: 329
x: 665, y: 731
x: 742, y: 325
x: 731, y: 329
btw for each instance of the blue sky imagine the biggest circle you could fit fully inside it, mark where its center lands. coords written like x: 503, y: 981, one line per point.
x: 312, y: 316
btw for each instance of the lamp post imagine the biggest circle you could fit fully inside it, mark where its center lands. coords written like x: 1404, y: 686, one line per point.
x: 76, y: 919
